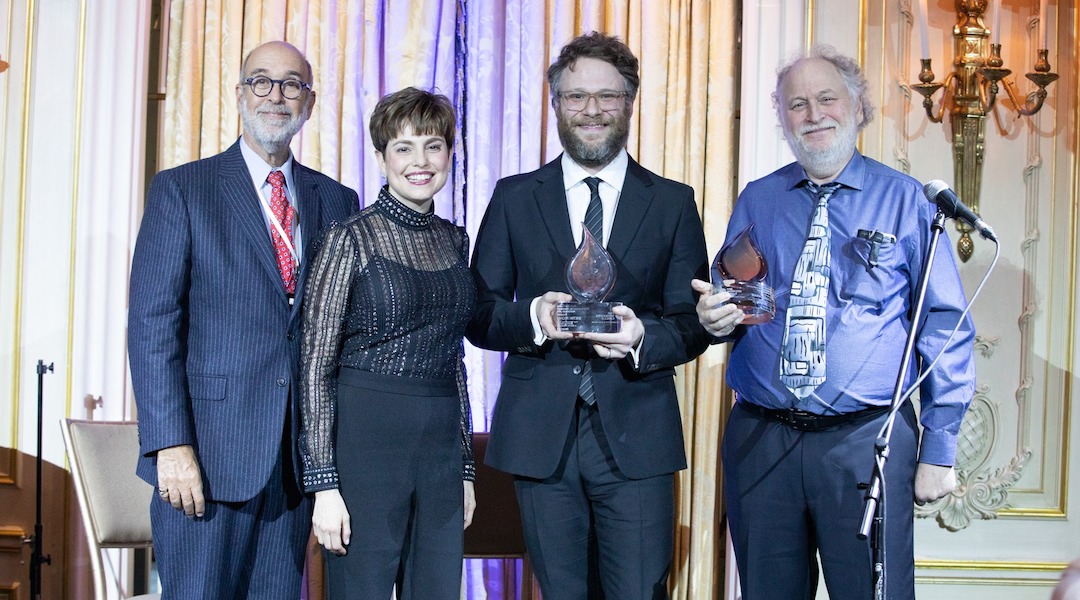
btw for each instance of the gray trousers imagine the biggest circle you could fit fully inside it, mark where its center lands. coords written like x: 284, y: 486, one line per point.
x: 792, y: 494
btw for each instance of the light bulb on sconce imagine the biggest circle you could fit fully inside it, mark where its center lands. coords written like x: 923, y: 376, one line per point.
x: 971, y: 91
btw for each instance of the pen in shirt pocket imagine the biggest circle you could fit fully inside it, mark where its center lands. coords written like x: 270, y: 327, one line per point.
x: 877, y: 239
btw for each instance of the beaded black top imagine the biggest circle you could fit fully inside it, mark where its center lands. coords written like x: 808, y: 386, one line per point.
x: 389, y: 292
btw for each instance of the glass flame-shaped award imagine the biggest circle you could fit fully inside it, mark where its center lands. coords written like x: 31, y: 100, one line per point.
x: 740, y: 270
x: 590, y: 275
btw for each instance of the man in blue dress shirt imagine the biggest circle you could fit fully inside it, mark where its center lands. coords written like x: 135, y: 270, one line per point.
x: 844, y: 237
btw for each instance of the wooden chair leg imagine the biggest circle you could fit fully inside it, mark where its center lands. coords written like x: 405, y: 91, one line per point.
x: 529, y: 588
x: 315, y: 571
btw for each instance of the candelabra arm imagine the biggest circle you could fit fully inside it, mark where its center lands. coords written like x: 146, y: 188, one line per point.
x: 987, y: 101
x: 927, y: 89
x: 946, y: 97
x: 928, y: 104
x: 1032, y: 104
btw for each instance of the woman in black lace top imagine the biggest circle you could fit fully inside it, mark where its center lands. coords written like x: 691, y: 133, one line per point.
x: 386, y: 439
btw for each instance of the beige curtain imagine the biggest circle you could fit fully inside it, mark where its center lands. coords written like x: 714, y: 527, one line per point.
x: 684, y: 128
x: 686, y: 131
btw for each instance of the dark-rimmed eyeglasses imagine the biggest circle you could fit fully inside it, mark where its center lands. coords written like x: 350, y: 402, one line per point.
x: 290, y: 88
x: 606, y: 100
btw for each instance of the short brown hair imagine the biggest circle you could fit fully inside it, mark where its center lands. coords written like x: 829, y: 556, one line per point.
x: 601, y: 46
x: 425, y: 112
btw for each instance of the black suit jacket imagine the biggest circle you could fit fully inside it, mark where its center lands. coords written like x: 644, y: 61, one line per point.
x: 213, y: 343
x: 521, y: 251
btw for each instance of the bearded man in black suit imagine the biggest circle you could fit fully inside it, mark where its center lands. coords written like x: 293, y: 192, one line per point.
x: 589, y: 424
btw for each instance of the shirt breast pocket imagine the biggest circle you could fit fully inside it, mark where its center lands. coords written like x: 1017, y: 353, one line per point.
x: 870, y: 272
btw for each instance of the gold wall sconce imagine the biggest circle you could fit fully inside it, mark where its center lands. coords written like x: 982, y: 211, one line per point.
x: 970, y: 93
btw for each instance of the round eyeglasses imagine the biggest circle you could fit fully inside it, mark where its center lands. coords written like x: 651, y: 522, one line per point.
x: 290, y: 88
x: 606, y: 100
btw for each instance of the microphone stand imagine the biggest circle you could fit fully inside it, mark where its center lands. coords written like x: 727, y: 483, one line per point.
x: 874, y: 513
x: 37, y: 558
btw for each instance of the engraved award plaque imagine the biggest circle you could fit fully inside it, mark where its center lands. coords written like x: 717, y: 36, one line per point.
x: 740, y: 270
x: 590, y: 275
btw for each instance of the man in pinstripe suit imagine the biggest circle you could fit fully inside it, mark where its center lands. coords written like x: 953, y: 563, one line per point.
x: 216, y: 283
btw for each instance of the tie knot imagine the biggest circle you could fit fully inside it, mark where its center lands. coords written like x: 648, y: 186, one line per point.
x: 823, y: 191
x: 594, y: 184
x: 276, y: 179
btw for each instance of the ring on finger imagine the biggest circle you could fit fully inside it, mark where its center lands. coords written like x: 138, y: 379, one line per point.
x: 163, y: 493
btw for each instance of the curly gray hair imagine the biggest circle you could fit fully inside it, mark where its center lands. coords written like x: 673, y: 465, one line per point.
x: 849, y: 71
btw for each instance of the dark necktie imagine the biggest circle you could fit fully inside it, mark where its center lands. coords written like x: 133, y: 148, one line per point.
x: 802, y: 354
x: 279, y: 205
x: 594, y: 222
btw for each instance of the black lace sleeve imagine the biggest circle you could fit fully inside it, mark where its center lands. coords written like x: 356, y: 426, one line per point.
x: 469, y: 469
x: 326, y: 296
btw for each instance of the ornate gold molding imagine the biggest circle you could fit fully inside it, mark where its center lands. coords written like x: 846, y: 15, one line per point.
x: 20, y: 232
x: 990, y: 565
x: 997, y: 582
x: 1033, y: 513
x: 80, y: 84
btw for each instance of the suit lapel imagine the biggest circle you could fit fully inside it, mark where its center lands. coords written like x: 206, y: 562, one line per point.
x: 634, y: 203
x: 243, y: 201
x: 311, y: 221
x: 550, y: 198
x: 309, y: 207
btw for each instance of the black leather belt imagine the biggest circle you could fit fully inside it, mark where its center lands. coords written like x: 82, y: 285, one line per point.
x: 801, y: 420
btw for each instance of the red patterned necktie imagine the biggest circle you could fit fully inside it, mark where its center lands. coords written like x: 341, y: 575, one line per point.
x: 279, y: 205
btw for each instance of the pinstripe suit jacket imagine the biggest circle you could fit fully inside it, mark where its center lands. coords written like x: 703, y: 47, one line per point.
x: 213, y: 343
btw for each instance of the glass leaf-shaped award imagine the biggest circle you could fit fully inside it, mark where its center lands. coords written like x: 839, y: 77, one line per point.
x: 740, y: 270
x: 740, y: 259
x: 590, y: 275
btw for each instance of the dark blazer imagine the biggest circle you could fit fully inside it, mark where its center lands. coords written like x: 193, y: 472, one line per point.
x: 521, y: 251
x: 212, y: 340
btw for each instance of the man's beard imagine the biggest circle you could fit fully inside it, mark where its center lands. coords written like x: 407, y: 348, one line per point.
x: 594, y: 154
x: 831, y: 160
x: 272, y: 138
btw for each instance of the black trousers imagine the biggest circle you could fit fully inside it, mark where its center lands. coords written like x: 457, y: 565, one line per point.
x: 628, y: 523
x: 399, y: 463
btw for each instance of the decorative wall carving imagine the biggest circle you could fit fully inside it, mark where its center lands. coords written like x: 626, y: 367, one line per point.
x: 986, y: 345
x: 981, y: 489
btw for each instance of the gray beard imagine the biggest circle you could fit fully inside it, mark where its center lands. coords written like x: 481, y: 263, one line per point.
x: 594, y: 155
x: 274, y: 140
x: 825, y: 163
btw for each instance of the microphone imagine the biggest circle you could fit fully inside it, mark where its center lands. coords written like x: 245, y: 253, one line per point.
x: 938, y: 192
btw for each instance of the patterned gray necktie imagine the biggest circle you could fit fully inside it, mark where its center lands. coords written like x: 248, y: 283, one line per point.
x: 802, y: 354
x: 594, y: 221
